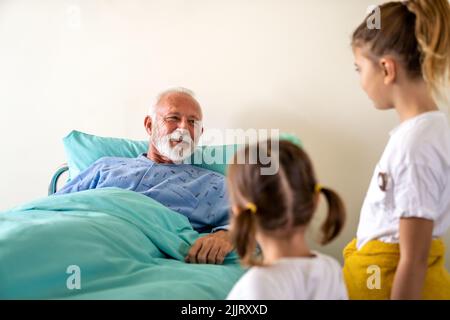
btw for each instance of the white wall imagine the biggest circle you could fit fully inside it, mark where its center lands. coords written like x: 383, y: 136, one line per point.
x: 253, y: 63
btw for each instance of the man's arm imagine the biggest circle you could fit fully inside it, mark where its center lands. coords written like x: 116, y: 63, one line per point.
x: 224, y: 228
x: 214, y: 247
x: 87, y: 179
x: 415, y: 243
x: 223, y: 216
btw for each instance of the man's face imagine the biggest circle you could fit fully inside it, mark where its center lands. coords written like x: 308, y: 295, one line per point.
x: 177, y: 126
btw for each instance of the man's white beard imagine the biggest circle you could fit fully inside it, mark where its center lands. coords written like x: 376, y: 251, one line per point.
x: 180, y: 151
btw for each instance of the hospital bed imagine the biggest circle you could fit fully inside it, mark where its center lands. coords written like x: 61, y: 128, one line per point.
x: 124, y: 245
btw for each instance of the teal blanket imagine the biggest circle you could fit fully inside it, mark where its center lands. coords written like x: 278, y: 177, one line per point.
x: 104, y: 244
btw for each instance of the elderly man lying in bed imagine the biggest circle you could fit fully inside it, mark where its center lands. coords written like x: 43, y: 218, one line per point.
x: 174, y: 125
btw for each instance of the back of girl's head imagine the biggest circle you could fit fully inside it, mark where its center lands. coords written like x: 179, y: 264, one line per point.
x: 418, y: 33
x: 284, y: 201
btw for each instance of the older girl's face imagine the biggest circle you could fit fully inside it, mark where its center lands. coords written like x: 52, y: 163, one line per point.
x: 372, y: 79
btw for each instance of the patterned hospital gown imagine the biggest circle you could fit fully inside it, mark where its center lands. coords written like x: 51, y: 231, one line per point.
x: 197, y: 193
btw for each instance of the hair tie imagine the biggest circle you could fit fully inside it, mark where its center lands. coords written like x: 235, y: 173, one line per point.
x: 252, y: 207
x: 318, y: 188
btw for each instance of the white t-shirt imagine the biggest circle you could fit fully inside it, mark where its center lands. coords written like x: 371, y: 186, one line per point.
x: 412, y: 179
x: 315, y: 278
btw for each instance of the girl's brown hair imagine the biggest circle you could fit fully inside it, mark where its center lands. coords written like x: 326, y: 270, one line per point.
x: 418, y: 33
x: 284, y: 201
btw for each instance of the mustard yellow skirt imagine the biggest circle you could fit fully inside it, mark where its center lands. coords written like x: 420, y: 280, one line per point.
x: 369, y: 272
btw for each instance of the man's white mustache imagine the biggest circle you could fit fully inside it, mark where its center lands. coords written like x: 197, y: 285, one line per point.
x: 178, y: 136
x: 184, y: 147
x: 177, y: 140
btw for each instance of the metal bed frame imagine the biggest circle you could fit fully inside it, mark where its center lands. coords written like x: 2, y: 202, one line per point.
x: 54, y: 181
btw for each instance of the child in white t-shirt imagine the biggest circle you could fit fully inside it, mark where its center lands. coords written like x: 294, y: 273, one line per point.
x: 274, y: 211
x: 404, y: 66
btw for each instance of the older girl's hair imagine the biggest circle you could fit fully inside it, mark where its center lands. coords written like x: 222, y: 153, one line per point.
x: 283, y: 201
x: 418, y: 32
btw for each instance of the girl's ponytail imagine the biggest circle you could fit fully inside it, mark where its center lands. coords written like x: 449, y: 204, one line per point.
x: 336, y: 216
x: 243, y: 234
x: 432, y: 30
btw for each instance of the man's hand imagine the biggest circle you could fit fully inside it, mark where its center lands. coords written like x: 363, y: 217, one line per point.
x: 211, y: 248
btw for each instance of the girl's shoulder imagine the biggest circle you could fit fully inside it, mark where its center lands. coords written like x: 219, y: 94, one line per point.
x: 321, y: 263
x: 258, y: 283
x: 424, y: 140
x: 423, y: 128
x: 316, y: 258
x: 286, y: 268
x: 327, y: 260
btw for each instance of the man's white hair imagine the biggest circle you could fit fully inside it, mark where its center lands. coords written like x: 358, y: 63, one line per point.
x: 161, y: 95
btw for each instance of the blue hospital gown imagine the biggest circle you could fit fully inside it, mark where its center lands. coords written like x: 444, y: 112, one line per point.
x: 197, y: 193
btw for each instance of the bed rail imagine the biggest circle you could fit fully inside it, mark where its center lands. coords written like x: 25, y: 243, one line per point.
x: 54, y: 181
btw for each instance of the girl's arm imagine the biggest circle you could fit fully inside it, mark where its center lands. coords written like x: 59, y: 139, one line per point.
x: 415, y: 242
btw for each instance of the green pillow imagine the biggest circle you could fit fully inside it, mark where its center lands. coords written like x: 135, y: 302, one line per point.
x: 84, y: 149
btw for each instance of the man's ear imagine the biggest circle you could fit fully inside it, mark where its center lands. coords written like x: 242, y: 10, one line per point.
x: 148, y: 125
x: 389, y: 68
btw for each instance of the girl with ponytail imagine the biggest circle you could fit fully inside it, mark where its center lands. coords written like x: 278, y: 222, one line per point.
x: 274, y: 211
x: 405, y: 65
